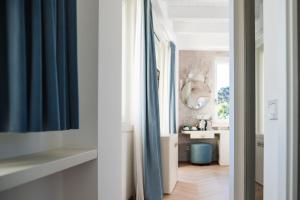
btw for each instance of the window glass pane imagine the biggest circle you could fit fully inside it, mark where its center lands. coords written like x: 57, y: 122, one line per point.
x: 222, y: 90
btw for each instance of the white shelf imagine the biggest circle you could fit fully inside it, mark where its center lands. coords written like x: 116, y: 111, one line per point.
x: 24, y: 169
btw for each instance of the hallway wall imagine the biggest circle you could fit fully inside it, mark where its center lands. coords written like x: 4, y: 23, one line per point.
x: 276, y: 89
x: 61, y: 186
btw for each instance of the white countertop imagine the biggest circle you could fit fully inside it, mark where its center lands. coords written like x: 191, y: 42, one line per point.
x: 208, y: 132
x: 23, y: 169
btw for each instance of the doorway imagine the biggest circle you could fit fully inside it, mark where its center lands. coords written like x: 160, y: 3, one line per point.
x: 201, y: 30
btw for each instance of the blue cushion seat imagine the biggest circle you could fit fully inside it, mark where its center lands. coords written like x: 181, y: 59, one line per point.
x: 201, y: 153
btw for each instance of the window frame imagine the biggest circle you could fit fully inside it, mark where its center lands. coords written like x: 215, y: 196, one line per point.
x: 217, y: 122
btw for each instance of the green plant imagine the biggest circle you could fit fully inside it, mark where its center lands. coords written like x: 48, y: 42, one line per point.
x: 223, y: 110
x: 223, y: 103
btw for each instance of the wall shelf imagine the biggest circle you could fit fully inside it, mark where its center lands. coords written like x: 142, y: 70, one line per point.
x: 23, y: 169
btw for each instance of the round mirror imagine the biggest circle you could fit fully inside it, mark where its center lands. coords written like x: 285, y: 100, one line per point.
x: 195, y: 94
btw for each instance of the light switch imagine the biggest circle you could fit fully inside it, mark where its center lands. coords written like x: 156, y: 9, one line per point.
x: 273, y: 109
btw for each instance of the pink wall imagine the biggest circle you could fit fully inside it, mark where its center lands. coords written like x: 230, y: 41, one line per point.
x: 199, y: 61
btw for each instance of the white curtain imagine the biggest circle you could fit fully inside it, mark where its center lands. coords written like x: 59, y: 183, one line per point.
x: 136, y: 59
x: 163, y: 60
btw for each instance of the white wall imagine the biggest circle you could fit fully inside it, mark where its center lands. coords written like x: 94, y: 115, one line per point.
x: 87, y: 34
x: 127, y: 162
x: 20, y: 144
x: 275, y: 81
x: 80, y: 182
x: 110, y: 99
x: 237, y: 92
x: 49, y: 188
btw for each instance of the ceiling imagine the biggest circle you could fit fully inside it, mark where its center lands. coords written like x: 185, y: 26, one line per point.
x: 199, y: 24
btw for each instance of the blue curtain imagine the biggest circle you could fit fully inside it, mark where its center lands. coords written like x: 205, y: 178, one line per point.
x: 38, y: 65
x: 152, y: 151
x: 172, y: 108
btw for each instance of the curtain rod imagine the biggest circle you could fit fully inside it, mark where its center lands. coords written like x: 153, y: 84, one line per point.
x: 156, y: 36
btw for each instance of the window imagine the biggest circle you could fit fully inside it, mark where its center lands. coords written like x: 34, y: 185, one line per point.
x: 222, y: 96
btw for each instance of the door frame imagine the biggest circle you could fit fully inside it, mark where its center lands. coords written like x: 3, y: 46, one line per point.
x: 242, y: 126
x: 250, y: 100
x: 242, y: 153
x: 293, y: 43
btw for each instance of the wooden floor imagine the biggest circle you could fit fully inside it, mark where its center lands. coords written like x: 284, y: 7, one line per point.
x: 259, y: 192
x: 201, y: 183
x: 204, y: 183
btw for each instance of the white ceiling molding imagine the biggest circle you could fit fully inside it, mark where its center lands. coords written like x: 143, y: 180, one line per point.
x: 197, y: 24
x: 197, y: 2
x: 194, y: 12
x: 163, y: 26
x: 211, y: 42
x: 201, y: 26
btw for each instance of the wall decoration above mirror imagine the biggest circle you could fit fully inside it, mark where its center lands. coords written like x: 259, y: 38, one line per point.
x: 198, y: 86
x: 196, y: 92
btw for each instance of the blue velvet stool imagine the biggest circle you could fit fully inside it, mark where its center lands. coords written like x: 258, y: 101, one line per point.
x: 201, y: 153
